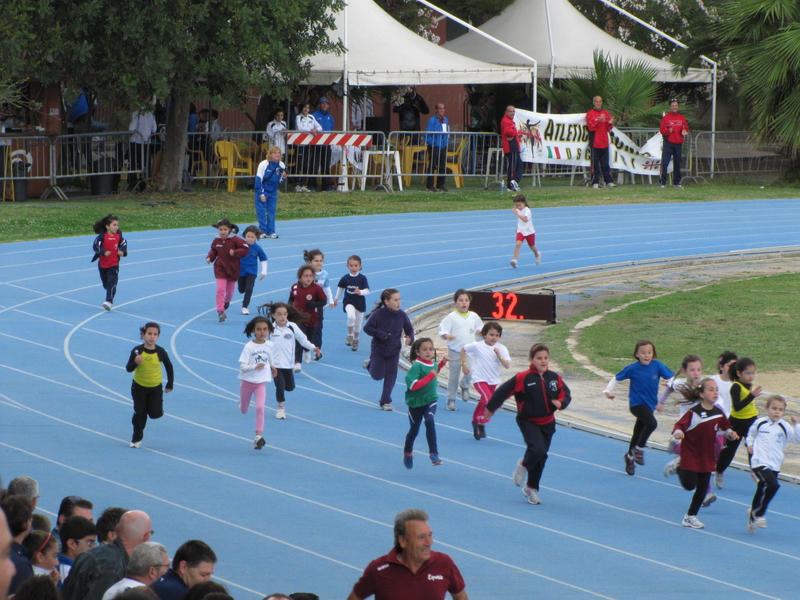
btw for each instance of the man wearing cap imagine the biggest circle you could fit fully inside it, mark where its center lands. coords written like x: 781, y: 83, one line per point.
x: 322, y: 162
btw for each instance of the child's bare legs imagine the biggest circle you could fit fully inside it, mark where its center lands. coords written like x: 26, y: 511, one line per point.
x: 517, y: 246
x: 537, y: 254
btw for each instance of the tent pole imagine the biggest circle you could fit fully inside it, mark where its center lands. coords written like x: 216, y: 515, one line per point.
x: 552, y: 52
x: 713, y: 119
x: 345, y: 97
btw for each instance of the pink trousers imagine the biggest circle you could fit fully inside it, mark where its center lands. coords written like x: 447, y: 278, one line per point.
x: 224, y: 293
x: 485, y: 390
x: 259, y: 390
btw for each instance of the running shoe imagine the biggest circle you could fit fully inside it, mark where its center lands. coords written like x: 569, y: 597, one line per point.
x: 520, y: 472
x: 531, y: 494
x: 107, y: 305
x: 514, y: 263
x: 227, y: 305
x: 280, y: 413
x: 408, y: 460
x: 136, y: 444
x: 365, y: 364
x: 693, y: 522
x: 435, y: 460
x: 245, y: 310
x: 539, y: 259
x: 630, y: 466
x: 476, y: 433
x: 348, y: 341
x: 388, y: 406
x: 465, y: 394
x: 760, y: 522
x: 306, y: 356
x: 719, y: 480
x: 672, y: 444
x: 273, y: 236
x: 679, y: 186
x: 672, y: 467
x: 451, y: 404
x: 611, y: 185
x: 222, y: 316
x: 482, y: 430
x: 638, y: 456
x: 259, y: 443
x: 709, y: 500
x: 297, y: 367
x: 751, y: 524
x: 354, y: 345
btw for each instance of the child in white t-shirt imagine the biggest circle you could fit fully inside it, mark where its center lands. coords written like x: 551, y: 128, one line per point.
x: 459, y: 328
x: 525, y: 230
x: 486, y: 357
x: 256, y: 369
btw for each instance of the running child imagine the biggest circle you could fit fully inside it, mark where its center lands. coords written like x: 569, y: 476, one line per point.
x: 697, y: 429
x: 226, y: 252
x: 306, y: 296
x: 256, y: 369
x: 315, y: 258
x: 459, y: 328
x: 539, y: 393
x: 743, y: 412
x: 109, y: 246
x: 145, y: 363
x: 766, y: 441
x: 269, y: 174
x: 486, y: 357
x: 41, y: 548
x: 643, y: 397
x: 386, y: 325
x: 724, y: 383
x: 421, y: 397
x: 248, y: 266
x: 525, y: 230
x: 284, y: 337
x: 355, y: 287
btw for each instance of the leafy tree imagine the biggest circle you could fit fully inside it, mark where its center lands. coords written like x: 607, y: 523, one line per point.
x: 761, y: 38
x: 177, y: 50
x: 627, y: 89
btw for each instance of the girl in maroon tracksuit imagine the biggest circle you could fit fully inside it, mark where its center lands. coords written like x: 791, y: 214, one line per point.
x: 226, y: 250
x: 306, y: 296
x: 538, y: 393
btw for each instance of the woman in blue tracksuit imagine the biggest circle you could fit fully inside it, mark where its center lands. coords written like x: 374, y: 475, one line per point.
x: 386, y: 325
x: 269, y: 175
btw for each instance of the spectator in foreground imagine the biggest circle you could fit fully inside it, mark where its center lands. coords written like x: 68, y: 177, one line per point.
x: 70, y: 506
x: 38, y: 587
x: 193, y: 563
x: 77, y: 536
x: 25, y: 486
x: 147, y: 564
x: 107, y: 524
x: 17, y: 509
x: 204, y: 590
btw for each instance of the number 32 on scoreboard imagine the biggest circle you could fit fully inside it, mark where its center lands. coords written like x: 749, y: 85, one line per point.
x: 505, y: 305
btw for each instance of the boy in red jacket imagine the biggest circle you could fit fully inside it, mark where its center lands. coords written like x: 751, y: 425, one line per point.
x: 674, y: 128
x: 539, y: 393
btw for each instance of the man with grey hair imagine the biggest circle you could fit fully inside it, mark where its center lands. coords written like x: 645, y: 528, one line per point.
x: 98, y: 569
x: 411, y: 569
x: 148, y: 562
x: 25, y: 486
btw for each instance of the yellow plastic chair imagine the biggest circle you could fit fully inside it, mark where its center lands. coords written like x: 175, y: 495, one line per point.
x: 232, y: 162
x: 199, y: 164
x: 455, y: 166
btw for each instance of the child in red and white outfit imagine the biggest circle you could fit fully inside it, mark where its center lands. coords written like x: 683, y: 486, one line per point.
x: 525, y: 230
x: 306, y: 296
x: 226, y: 252
x: 109, y: 246
x: 486, y: 357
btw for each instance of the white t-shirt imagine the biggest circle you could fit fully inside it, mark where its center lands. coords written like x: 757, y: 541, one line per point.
x: 252, y: 355
x: 283, y: 339
x: 525, y: 227
x: 121, y: 586
x: 465, y: 328
x: 485, y: 364
x: 724, y: 394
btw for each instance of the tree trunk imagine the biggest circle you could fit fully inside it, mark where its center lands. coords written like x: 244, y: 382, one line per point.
x: 171, y: 175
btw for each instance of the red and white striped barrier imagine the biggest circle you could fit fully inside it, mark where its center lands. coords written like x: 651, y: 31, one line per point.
x: 329, y: 139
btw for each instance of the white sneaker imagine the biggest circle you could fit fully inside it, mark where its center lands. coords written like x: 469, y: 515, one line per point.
x: 672, y: 467
x: 348, y: 340
x: 451, y: 404
x: 136, y: 444
x: 107, y: 305
x: 719, y: 480
x: 245, y: 310
x: 307, y: 356
x: 297, y: 368
x: 761, y: 522
x: 514, y: 263
x: 671, y: 445
x: 388, y: 407
x: 519, y: 475
x: 280, y: 413
x: 692, y: 521
x: 365, y: 364
x: 539, y: 259
x: 611, y: 185
x: 531, y: 494
x: 751, y: 524
x: 259, y: 443
x: 298, y: 188
x: 514, y: 185
x: 709, y: 500
x: 595, y: 186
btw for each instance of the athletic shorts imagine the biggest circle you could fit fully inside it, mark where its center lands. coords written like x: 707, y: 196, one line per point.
x: 531, y: 239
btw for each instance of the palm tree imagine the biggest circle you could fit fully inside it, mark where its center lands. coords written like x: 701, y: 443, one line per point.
x: 627, y: 88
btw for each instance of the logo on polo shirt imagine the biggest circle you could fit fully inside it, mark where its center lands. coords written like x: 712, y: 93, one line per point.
x: 382, y: 567
x: 309, y: 296
x: 433, y: 577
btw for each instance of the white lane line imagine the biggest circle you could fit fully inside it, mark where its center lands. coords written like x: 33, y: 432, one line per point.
x: 19, y: 339
x: 42, y: 317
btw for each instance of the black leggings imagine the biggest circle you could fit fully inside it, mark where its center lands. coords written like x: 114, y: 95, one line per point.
x: 246, y: 283
x: 692, y: 480
x: 767, y: 488
x: 284, y: 381
x: 537, y: 444
x: 147, y: 402
x: 645, y: 425
x: 728, y: 452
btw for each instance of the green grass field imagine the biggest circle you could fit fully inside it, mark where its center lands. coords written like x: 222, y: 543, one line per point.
x: 203, y: 206
x: 753, y: 316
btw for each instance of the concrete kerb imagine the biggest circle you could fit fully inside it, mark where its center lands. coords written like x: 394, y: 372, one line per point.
x: 418, y: 313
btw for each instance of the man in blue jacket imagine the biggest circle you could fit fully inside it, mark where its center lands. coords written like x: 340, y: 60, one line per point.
x: 436, y: 137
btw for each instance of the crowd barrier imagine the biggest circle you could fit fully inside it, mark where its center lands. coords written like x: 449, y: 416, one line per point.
x: 397, y: 161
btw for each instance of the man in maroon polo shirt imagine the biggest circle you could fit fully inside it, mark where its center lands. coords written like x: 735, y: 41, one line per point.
x: 411, y: 569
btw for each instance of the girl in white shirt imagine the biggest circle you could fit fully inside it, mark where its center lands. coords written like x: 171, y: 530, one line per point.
x: 525, y: 230
x: 459, y: 328
x: 256, y: 368
x: 486, y: 358
x: 274, y: 129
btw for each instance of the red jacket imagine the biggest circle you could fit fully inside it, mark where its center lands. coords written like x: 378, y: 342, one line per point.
x: 534, y: 395
x: 225, y: 265
x: 600, y: 128
x: 508, y: 128
x: 678, y: 123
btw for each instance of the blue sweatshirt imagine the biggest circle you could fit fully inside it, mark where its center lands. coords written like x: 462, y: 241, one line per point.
x: 386, y: 328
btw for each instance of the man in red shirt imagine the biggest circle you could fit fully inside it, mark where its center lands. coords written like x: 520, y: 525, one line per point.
x: 411, y: 570
x: 599, y: 123
x: 674, y: 128
x: 510, y: 137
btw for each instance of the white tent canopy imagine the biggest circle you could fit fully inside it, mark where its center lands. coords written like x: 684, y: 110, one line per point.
x: 381, y: 51
x: 524, y: 26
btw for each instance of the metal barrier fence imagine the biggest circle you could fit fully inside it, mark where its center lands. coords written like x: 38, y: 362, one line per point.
x: 736, y: 153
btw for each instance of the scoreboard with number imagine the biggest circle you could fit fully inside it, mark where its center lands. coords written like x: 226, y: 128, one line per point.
x: 513, y: 306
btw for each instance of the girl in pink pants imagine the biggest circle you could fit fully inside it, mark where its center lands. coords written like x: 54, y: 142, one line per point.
x: 256, y: 368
